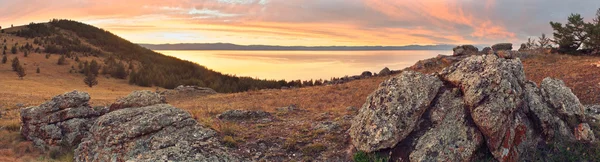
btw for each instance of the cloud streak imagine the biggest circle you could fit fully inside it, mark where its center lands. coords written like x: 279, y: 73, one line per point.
x: 307, y: 22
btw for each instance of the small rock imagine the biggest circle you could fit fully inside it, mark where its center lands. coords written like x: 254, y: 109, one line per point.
x: 366, y: 74
x: 328, y: 126
x: 238, y: 115
x: 502, y: 47
x: 486, y: 51
x: 290, y: 108
x: 465, y: 50
x: 385, y: 72
x: 351, y: 108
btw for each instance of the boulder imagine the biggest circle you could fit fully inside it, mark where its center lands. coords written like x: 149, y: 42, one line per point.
x: 480, y: 98
x: 152, y: 133
x: 138, y: 99
x: 390, y: 113
x: 385, y: 72
x: 61, y: 122
x: 239, y: 115
x: 290, y: 108
x: 502, y: 47
x: 487, y: 51
x: 465, y: 50
x: 561, y: 98
x: 451, y: 138
x: 366, y: 74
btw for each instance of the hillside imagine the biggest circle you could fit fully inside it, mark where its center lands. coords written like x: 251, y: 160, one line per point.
x: 74, y: 39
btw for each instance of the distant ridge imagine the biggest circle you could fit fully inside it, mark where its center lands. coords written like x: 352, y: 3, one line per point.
x: 229, y: 46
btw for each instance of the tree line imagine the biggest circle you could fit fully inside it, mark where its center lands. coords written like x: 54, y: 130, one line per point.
x: 573, y: 37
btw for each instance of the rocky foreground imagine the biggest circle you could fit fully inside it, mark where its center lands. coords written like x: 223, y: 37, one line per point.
x: 480, y: 103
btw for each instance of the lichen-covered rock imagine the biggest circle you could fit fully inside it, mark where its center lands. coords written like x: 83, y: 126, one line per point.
x: 502, y: 47
x: 153, y: 133
x: 452, y: 137
x: 563, y: 101
x: 551, y: 124
x: 493, y: 89
x: 390, y: 113
x: 138, y: 99
x: 60, y: 122
x: 237, y: 115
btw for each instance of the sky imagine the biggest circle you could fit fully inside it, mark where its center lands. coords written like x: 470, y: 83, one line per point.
x: 308, y: 22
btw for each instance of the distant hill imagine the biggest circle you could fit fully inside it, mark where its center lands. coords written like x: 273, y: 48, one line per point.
x: 228, y: 46
x: 74, y: 40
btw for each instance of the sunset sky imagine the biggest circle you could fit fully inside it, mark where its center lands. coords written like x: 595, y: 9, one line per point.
x: 308, y: 22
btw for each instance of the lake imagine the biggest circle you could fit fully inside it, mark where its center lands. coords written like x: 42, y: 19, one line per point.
x: 304, y: 65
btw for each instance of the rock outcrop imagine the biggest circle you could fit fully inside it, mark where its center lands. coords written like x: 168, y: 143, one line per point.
x: 195, y: 89
x: 465, y: 50
x: 486, y: 51
x: 385, y: 72
x: 139, y: 127
x: 152, y: 133
x: 60, y: 122
x: 480, y: 101
x: 391, y: 112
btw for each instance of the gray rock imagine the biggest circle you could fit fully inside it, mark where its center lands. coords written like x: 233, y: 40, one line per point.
x: 60, y: 122
x: 502, y: 47
x: 153, y: 133
x: 592, y: 113
x: 328, y: 126
x: 584, y: 133
x: 562, y: 99
x: 465, y: 50
x: 195, y: 89
x: 239, y: 115
x: 547, y: 118
x: 290, y: 108
x: 390, y: 113
x: 451, y: 138
x: 385, y: 72
x: 138, y: 99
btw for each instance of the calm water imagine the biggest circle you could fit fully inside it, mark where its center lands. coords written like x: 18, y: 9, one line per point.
x: 304, y: 65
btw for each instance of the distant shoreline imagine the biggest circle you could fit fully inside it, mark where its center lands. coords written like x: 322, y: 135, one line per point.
x: 234, y: 47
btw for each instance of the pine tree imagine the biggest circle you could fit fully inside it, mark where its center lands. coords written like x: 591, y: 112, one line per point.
x: 544, y: 42
x: 94, y: 68
x: 25, y: 54
x: 90, y: 80
x: 14, y: 50
x: 37, y: 70
x: 15, y: 64
x: 20, y: 71
x: 4, y: 59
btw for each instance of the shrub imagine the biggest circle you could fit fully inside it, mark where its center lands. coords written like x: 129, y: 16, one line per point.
x: 229, y: 141
x: 62, y: 60
x: 13, y: 50
x: 37, y: 70
x: 314, y: 148
x: 361, y: 156
x: 15, y: 63
x: 20, y: 71
x: 4, y: 59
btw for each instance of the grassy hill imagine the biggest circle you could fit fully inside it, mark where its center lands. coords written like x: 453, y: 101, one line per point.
x: 74, y: 39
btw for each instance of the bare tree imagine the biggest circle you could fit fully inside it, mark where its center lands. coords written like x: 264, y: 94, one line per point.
x: 544, y: 42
